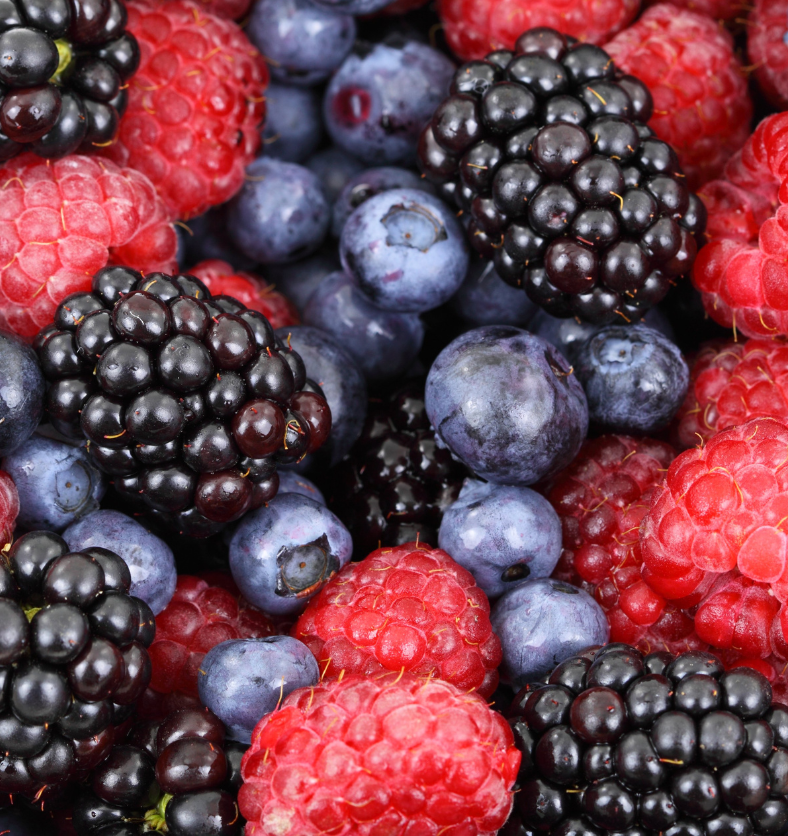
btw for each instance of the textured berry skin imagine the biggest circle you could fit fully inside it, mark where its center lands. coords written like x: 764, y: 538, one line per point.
x: 229, y: 9
x: 198, y: 617
x: 251, y: 290
x: 408, y: 608
x: 195, y: 104
x: 388, y: 754
x: 601, y: 499
x: 474, y: 27
x: 61, y: 221
x: 716, y: 9
x: 9, y: 507
x: 713, y: 537
x: 701, y: 104
x: 742, y: 271
x: 767, y: 50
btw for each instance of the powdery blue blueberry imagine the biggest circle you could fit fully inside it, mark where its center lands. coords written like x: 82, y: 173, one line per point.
x: 503, y: 535
x: 292, y: 482
x: 334, y: 168
x: 298, y: 280
x: 506, y: 404
x: 206, y: 237
x: 378, y: 101
x: 293, y: 122
x: 280, y: 214
x: 369, y: 183
x: 286, y: 551
x: 149, y: 558
x: 383, y: 343
x: 406, y: 249
x: 303, y: 43
x: 244, y: 679
x: 542, y: 623
x: 484, y: 298
x: 635, y: 379
x: 57, y: 483
x: 342, y: 382
x: 21, y: 393
x: 354, y: 7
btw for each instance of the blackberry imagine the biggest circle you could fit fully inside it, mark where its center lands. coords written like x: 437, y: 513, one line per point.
x: 395, y: 483
x: 189, y: 401
x: 546, y: 151
x: 619, y: 741
x: 73, y: 660
x: 179, y: 776
x: 64, y: 69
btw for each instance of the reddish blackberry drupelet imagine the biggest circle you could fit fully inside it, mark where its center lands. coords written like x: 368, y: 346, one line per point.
x: 569, y: 192
x: 622, y: 742
x: 73, y: 661
x: 64, y: 71
x: 190, y: 401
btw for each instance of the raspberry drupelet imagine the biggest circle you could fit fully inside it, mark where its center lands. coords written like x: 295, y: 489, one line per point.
x: 715, y: 9
x: 9, y: 508
x: 768, y: 50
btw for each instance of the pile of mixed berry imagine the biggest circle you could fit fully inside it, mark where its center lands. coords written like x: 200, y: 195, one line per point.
x: 393, y: 418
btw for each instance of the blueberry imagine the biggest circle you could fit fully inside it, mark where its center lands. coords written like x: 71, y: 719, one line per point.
x: 290, y: 482
x: 303, y: 43
x: 406, y: 249
x: 298, y: 280
x: 150, y: 559
x: 285, y: 552
x: 206, y: 237
x: 379, y: 99
x: 507, y: 405
x: 383, y: 343
x: 280, y: 214
x: 542, y: 623
x: 485, y: 299
x: 333, y: 168
x: 21, y: 393
x: 342, y: 382
x: 293, y: 122
x: 635, y: 379
x: 503, y: 535
x: 244, y: 679
x: 57, y: 483
x: 353, y: 7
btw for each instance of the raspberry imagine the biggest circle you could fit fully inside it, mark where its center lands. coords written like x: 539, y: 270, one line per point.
x: 767, y: 49
x: 389, y: 755
x: 474, y: 27
x: 407, y: 608
x: 195, y: 105
x: 222, y: 280
x: 9, y: 508
x: 713, y: 538
x: 731, y: 383
x: 701, y: 104
x: 229, y: 9
x: 601, y: 499
x: 742, y: 272
x: 716, y: 9
x: 198, y: 617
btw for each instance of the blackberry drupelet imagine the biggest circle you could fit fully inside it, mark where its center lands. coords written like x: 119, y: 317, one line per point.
x: 547, y: 151
x: 619, y: 741
x: 73, y: 661
x: 179, y: 776
x: 394, y: 485
x: 190, y: 401
x: 64, y: 69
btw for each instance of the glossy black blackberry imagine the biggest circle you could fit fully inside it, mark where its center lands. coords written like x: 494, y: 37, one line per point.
x: 189, y: 401
x: 562, y: 184
x: 617, y: 741
x: 179, y: 776
x: 73, y: 660
x: 396, y: 482
x: 64, y: 72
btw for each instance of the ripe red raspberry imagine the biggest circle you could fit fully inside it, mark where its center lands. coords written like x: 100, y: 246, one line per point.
x: 742, y: 272
x: 61, y: 221
x: 198, y: 617
x: 389, y: 755
x: 701, y: 104
x: 405, y: 608
x: 229, y: 9
x: 195, y: 104
x: 767, y: 50
x: 730, y: 383
x: 715, y: 9
x: 713, y: 538
x: 222, y: 280
x: 9, y: 508
x: 474, y: 27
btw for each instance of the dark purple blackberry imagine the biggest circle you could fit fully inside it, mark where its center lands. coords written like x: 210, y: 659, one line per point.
x: 64, y: 69
x: 188, y: 400
x: 396, y: 482
x: 654, y: 744
x: 73, y: 660
x: 549, y: 158
x: 179, y: 776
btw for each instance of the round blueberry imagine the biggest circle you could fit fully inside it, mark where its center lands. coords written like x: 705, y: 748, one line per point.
x: 21, y: 393
x: 485, y: 299
x: 298, y: 280
x: 293, y: 122
x: 290, y: 482
x: 333, y: 167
